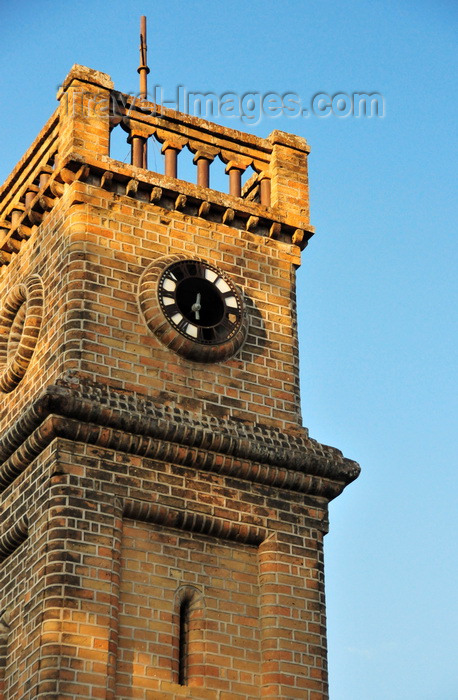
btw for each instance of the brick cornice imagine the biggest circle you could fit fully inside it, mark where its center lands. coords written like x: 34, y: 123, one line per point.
x: 101, y: 416
x: 193, y: 522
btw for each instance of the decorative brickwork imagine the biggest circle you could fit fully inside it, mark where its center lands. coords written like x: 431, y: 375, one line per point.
x: 162, y: 507
x: 20, y: 323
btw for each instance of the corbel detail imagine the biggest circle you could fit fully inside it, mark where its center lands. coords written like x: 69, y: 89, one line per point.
x: 156, y: 195
x: 252, y: 223
x: 228, y: 216
x: 131, y: 188
x: 204, y: 209
x: 180, y: 201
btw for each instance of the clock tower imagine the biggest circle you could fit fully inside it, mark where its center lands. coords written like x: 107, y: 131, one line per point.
x: 162, y: 507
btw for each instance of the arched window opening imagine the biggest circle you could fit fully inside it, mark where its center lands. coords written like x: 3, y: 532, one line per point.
x: 119, y: 148
x: 219, y: 179
x: 186, y: 167
x: 155, y: 157
x: 247, y: 175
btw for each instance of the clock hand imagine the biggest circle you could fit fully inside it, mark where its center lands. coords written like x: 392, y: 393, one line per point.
x: 196, y: 306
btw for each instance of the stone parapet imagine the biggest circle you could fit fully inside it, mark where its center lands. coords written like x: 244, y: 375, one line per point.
x: 77, y: 137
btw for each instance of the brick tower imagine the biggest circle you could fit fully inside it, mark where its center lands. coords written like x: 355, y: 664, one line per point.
x: 162, y: 508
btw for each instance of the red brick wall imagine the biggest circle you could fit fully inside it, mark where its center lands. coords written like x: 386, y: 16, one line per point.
x: 93, y: 324
x: 132, y: 478
x: 94, y: 592
x: 157, y: 565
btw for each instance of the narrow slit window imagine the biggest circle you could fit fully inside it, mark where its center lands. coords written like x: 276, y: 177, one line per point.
x: 183, y: 643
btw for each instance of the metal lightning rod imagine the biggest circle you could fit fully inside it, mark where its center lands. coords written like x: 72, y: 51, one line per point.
x: 139, y: 144
x: 143, y: 67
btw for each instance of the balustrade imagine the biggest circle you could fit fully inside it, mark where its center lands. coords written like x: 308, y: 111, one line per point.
x: 75, y: 145
x: 176, y: 131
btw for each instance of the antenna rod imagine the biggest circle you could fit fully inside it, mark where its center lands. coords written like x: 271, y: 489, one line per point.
x: 143, y: 67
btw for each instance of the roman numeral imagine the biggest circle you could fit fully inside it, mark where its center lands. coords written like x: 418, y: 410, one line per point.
x: 169, y: 283
x: 231, y: 300
x: 189, y: 269
x: 199, y: 270
x: 183, y: 324
x: 227, y: 324
x: 210, y: 275
x: 207, y: 335
x: 226, y: 327
x: 168, y: 293
x: 172, y: 309
x: 223, y: 286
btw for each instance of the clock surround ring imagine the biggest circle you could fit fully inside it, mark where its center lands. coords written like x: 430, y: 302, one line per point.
x: 221, y: 329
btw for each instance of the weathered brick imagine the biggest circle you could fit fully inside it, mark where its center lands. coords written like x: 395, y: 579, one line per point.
x: 133, y: 477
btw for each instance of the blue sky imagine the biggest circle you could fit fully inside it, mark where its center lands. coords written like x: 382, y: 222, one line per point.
x: 377, y: 291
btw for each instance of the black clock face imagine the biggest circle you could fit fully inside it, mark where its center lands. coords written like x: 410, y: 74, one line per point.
x: 200, y: 302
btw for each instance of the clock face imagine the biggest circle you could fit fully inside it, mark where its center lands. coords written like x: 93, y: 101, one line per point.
x: 200, y: 302
x: 193, y: 308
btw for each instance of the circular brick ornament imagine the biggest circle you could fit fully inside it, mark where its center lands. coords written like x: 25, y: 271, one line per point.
x: 193, y: 308
x: 21, y: 317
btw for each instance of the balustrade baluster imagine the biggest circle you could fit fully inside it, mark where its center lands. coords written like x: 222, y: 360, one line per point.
x: 265, y: 191
x: 203, y: 172
x: 171, y: 161
x: 29, y: 197
x: 138, y: 151
x: 44, y: 177
x: 235, y: 182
